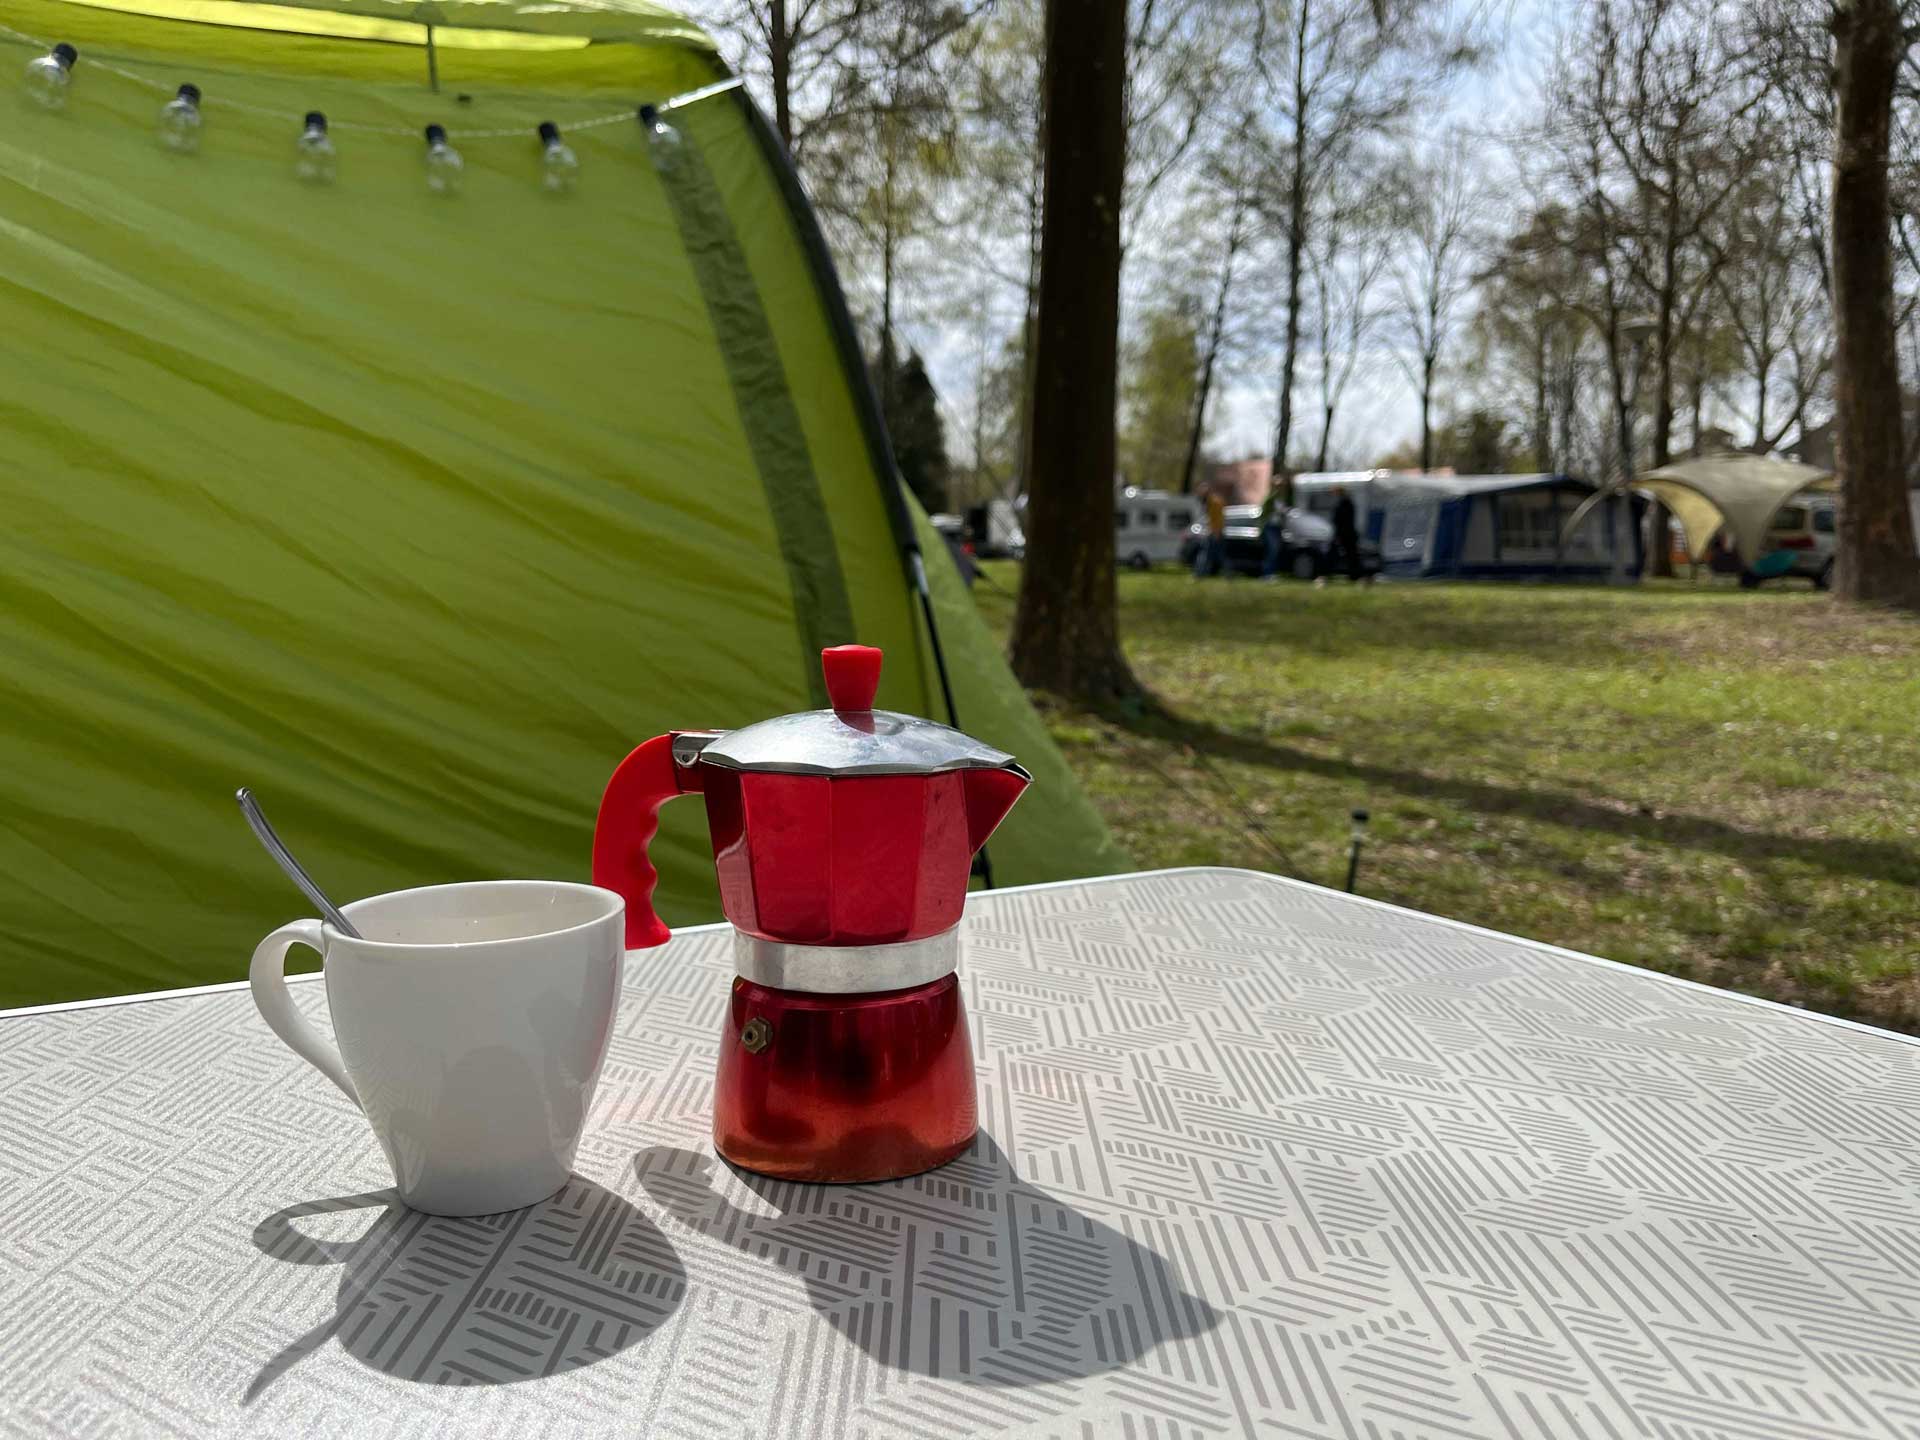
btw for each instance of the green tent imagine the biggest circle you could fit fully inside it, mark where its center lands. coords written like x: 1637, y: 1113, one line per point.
x: 416, y: 511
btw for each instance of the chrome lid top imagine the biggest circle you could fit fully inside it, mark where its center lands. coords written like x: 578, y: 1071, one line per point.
x: 852, y: 738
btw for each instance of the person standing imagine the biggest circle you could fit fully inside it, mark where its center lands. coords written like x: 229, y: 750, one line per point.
x: 1212, y: 558
x: 1346, y: 533
x: 1273, y: 532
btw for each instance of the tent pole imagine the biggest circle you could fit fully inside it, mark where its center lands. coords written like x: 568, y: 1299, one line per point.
x: 873, y: 426
x: 847, y: 341
x: 433, y: 64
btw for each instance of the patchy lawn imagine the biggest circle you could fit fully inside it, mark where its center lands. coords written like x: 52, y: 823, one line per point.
x: 1719, y: 784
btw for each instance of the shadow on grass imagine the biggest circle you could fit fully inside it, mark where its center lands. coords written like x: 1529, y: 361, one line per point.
x: 1872, y: 859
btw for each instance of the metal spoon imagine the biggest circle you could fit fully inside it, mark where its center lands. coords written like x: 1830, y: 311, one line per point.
x: 276, y: 847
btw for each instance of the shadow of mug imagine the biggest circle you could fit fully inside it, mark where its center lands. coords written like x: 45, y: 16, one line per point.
x: 484, y: 1299
x: 1002, y: 1284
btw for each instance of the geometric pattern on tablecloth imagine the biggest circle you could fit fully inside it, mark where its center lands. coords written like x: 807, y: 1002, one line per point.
x: 1256, y: 1158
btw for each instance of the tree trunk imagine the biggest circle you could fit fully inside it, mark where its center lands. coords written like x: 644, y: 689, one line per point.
x: 1542, y: 436
x: 1697, y: 400
x: 1216, y: 327
x: 1659, y: 531
x: 1625, y: 393
x: 1875, y: 560
x: 1622, y: 401
x: 1567, y: 383
x: 1426, y: 414
x: 1283, y: 427
x: 780, y: 61
x: 1030, y: 314
x: 889, y: 364
x: 985, y: 487
x: 1296, y: 252
x: 1329, y: 395
x: 1066, y: 633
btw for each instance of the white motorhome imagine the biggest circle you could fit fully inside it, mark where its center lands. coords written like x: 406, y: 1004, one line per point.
x: 997, y: 530
x: 1150, y: 526
x: 1317, y: 492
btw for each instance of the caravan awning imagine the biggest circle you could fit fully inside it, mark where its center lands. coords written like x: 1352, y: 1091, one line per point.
x: 1741, y: 492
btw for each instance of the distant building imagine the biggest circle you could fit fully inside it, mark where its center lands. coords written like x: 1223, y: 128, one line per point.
x: 1248, y: 481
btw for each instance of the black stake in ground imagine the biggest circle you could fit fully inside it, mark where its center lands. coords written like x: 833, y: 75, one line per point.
x: 1360, y: 818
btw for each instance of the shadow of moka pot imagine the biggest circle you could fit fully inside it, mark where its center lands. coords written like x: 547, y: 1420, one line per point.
x: 483, y: 1299
x: 1003, y: 1284
x: 842, y: 841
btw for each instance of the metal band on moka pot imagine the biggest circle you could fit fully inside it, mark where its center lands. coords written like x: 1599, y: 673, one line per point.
x: 845, y: 969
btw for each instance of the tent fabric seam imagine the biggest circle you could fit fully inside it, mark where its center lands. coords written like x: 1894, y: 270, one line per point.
x: 765, y: 404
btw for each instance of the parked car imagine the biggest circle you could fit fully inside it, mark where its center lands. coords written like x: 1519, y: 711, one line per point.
x: 1150, y: 526
x: 1306, y: 545
x: 1800, y: 542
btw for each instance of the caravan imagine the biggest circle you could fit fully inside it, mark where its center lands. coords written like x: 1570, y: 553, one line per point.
x: 1507, y: 527
x: 1317, y: 492
x: 1150, y: 526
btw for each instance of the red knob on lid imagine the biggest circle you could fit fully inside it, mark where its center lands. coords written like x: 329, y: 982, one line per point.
x: 853, y: 675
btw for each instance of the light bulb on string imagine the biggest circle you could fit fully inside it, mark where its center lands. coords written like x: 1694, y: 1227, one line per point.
x: 315, y: 159
x: 444, y: 165
x: 663, y: 140
x: 559, y: 166
x: 50, y: 76
x: 180, y: 120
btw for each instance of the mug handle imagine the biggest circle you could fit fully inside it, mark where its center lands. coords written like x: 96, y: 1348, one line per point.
x: 268, y: 977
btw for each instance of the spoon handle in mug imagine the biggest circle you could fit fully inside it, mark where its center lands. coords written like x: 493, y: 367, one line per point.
x: 283, y: 857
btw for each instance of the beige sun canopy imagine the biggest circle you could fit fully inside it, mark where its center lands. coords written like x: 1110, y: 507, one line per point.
x: 1741, y: 492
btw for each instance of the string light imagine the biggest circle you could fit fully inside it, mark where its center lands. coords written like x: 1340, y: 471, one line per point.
x: 180, y: 120
x: 616, y: 117
x: 444, y: 165
x: 560, y: 167
x: 662, y: 139
x: 50, y: 75
x: 315, y: 159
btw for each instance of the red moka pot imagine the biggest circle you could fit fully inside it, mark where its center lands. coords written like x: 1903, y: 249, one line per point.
x: 843, y: 839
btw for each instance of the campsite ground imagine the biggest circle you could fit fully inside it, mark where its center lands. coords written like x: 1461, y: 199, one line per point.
x: 1720, y: 784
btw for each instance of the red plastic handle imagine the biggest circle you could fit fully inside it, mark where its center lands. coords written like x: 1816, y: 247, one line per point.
x: 629, y: 819
x: 853, y: 675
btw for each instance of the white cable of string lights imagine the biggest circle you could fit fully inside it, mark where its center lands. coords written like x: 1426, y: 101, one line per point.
x: 217, y: 102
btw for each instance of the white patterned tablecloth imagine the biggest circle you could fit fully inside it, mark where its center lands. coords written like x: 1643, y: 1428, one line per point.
x: 1256, y: 1158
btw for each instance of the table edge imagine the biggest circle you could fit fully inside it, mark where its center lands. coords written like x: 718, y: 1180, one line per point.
x: 1545, y: 946
x: 1287, y: 881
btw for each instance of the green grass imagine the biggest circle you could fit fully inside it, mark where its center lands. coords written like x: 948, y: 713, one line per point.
x: 1719, y: 784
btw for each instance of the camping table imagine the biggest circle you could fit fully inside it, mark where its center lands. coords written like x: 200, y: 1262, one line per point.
x: 1256, y: 1158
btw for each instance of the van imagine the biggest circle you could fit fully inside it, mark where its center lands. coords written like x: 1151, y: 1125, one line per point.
x: 1150, y: 526
x: 1800, y: 541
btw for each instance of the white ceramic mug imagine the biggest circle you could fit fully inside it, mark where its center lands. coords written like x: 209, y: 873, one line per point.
x: 472, y: 1022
